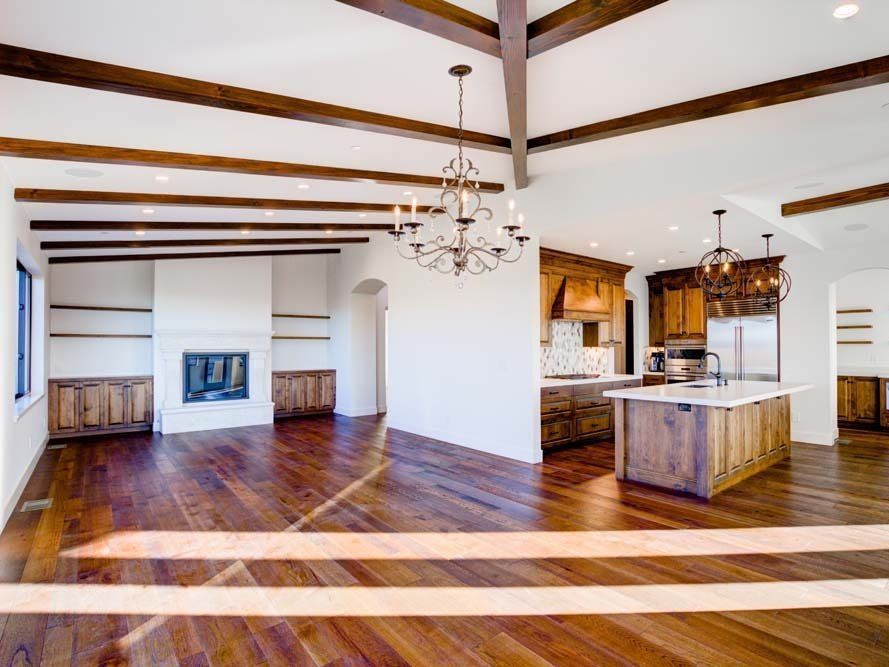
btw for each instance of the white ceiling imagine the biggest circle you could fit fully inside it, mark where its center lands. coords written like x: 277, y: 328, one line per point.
x: 622, y: 192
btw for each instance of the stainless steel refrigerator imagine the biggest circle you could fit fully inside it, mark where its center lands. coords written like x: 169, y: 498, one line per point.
x: 745, y: 336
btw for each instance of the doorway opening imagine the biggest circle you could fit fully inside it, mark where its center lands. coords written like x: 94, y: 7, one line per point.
x: 630, y: 347
x: 369, y: 350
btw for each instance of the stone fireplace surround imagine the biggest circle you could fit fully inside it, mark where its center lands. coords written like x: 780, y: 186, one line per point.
x: 174, y: 416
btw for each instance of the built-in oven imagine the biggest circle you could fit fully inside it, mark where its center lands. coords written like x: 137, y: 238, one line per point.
x: 683, y: 361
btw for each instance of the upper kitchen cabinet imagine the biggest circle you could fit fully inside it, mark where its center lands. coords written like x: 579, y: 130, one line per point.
x: 685, y: 312
x: 655, y: 316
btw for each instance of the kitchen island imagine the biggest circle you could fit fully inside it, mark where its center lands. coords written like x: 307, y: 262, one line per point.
x: 700, y: 438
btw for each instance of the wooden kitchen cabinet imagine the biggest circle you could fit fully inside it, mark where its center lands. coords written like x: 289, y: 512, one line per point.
x: 573, y: 413
x: 655, y: 318
x: 93, y: 406
x: 858, y: 400
x: 685, y: 312
x: 303, y: 392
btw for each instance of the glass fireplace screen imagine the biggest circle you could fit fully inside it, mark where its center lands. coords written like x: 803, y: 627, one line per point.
x: 214, y: 377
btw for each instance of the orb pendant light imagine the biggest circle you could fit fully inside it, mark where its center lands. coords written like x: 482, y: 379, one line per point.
x: 720, y: 273
x: 770, y: 284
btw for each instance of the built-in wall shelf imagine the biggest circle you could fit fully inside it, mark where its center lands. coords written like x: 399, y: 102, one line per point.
x: 60, y: 306
x: 855, y: 342
x: 302, y: 317
x: 300, y: 337
x: 850, y: 311
x: 97, y: 335
x: 856, y: 326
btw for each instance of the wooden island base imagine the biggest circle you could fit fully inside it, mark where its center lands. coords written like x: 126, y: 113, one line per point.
x: 699, y: 449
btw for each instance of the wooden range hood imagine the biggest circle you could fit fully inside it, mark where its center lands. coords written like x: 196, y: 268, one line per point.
x: 583, y: 300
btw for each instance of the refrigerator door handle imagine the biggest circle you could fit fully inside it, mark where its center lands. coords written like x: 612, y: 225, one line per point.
x: 739, y: 367
x: 741, y: 364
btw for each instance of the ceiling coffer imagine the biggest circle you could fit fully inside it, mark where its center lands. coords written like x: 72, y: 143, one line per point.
x: 583, y: 300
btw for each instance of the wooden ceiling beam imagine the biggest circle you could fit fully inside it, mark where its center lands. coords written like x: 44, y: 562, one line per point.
x: 578, y: 19
x: 136, y: 157
x: 184, y: 243
x: 54, y: 68
x: 439, y: 18
x: 234, y: 227
x: 44, y: 196
x: 825, y: 82
x: 871, y: 193
x: 513, y: 17
x: 82, y: 259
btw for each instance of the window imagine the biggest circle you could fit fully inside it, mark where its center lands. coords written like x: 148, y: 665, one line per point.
x: 23, y: 354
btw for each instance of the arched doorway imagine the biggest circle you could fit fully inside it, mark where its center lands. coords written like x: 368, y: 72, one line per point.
x: 368, y: 336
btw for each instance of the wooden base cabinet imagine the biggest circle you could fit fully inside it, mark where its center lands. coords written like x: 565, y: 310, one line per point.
x: 303, y: 392
x: 571, y: 413
x: 858, y: 400
x: 93, y: 406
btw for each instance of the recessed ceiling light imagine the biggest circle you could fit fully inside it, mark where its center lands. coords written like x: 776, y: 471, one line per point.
x: 662, y: 261
x: 855, y: 227
x: 83, y: 172
x: 161, y: 178
x: 846, y: 10
x: 245, y: 231
x: 329, y: 231
x: 148, y: 211
x: 808, y: 186
x: 630, y: 253
x: 681, y: 252
x: 885, y: 107
x: 140, y: 232
x: 303, y: 186
x: 736, y: 250
x: 594, y: 245
x: 407, y: 193
x: 706, y: 240
x: 362, y: 215
x: 673, y: 228
x: 356, y: 148
x: 269, y: 214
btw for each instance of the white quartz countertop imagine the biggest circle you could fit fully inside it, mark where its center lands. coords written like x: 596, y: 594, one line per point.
x: 553, y: 382
x: 734, y: 394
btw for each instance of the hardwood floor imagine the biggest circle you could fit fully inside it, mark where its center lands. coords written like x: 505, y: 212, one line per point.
x: 517, y: 539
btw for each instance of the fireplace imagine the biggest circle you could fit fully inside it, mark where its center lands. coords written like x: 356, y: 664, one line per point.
x: 214, y: 376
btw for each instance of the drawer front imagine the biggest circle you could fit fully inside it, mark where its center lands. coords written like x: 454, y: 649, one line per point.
x: 554, y: 393
x: 591, y: 389
x: 654, y: 380
x: 554, y: 407
x: 587, y: 402
x: 550, y: 433
x: 593, y: 424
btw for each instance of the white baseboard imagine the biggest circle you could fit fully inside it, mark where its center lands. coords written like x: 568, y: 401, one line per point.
x: 814, y: 437
x: 357, y: 412
x: 13, y: 502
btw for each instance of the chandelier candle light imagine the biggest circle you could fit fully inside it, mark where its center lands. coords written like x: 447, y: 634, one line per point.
x: 720, y: 272
x: 459, y: 200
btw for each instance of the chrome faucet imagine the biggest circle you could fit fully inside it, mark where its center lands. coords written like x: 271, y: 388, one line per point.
x: 720, y: 381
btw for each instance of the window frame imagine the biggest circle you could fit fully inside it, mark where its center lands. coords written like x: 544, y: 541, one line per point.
x: 24, y: 340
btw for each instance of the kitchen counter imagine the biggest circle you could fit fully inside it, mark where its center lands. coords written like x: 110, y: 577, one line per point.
x: 736, y: 393
x: 553, y: 382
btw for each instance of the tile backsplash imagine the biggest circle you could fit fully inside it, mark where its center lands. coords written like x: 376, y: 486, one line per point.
x: 566, y: 353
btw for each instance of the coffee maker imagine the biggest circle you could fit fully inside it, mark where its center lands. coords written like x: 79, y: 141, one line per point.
x: 656, y: 362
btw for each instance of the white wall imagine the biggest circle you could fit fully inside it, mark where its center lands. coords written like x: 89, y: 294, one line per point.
x: 299, y: 286
x: 463, y: 363
x: 864, y: 289
x: 23, y: 427
x: 118, y: 284
x: 808, y: 334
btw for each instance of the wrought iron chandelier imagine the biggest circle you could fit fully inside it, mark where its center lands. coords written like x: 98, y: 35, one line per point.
x: 770, y: 283
x: 720, y: 273
x: 464, y: 248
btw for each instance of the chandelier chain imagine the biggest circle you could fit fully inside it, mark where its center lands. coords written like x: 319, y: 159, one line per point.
x: 460, y: 122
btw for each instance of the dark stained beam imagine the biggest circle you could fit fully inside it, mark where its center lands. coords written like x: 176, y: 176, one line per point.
x: 185, y: 243
x: 578, y: 19
x: 864, y: 195
x: 82, y: 259
x: 825, y: 82
x: 513, y: 17
x: 42, y: 66
x: 55, y: 150
x: 234, y: 227
x: 41, y: 196
x: 439, y: 18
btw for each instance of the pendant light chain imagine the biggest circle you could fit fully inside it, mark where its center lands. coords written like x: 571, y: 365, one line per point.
x: 460, y: 123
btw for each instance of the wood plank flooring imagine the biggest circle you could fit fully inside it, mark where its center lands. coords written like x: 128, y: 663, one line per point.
x: 332, y: 476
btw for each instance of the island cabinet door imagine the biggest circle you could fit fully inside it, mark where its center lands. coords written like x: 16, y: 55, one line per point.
x: 765, y: 433
x: 780, y: 410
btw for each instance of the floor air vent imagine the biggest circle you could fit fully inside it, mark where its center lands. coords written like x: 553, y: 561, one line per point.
x: 34, y: 505
x: 61, y: 446
x: 843, y: 441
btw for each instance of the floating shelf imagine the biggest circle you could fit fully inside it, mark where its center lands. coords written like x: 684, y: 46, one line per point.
x: 303, y: 317
x: 90, y: 335
x: 855, y: 342
x: 106, y: 308
x: 856, y: 326
x: 849, y: 311
x: 300, y: 337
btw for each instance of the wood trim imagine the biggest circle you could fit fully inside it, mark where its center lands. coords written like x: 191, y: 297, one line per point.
x: 567, y: 263
x: 850, y: 311
x: 814, y: 84
x: 302, y: 317
x: 49, y: 196
x: 56, y: 150
x: 59, y: 306
x: 54, y: 68
x: 855, y: 342
x: 578, y: 19
x: 183, y: 243
x: 234, y: 227
x: 856, y: 326
x: 438, y: 18
x: 300, y: 337
x: 513, y: 18
x: 97, y: 335
x: 870, y: 193
x: 150, y: 257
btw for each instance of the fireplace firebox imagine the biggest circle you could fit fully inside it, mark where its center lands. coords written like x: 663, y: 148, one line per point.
x: 214, y: 376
